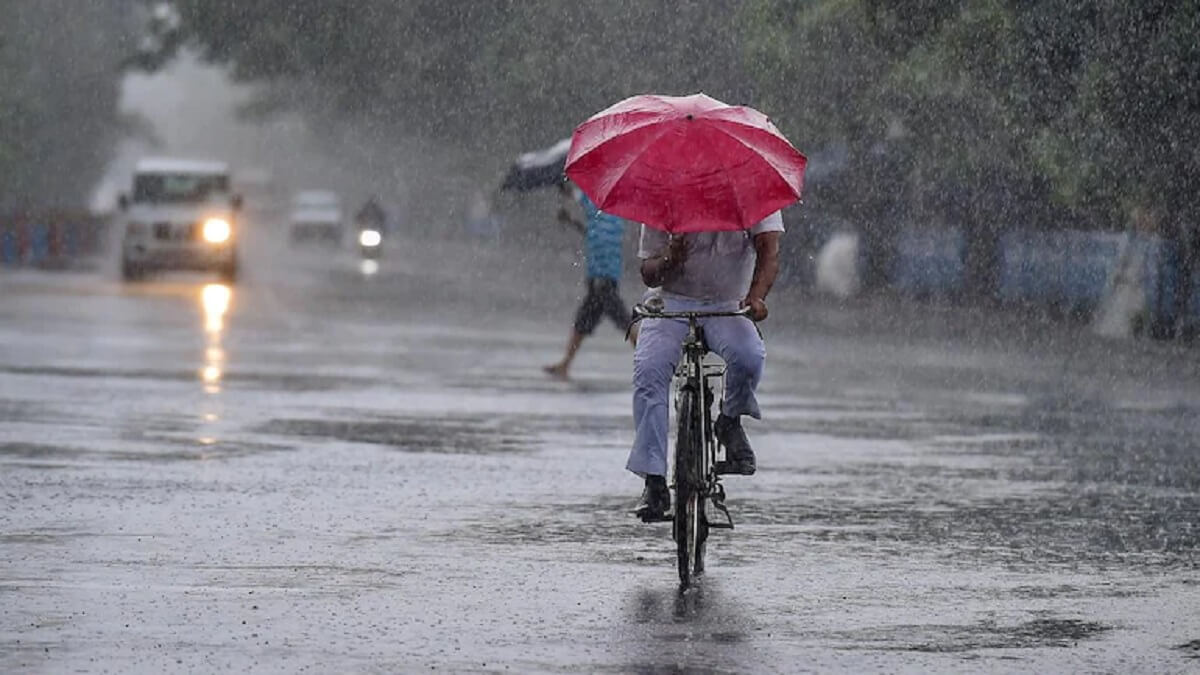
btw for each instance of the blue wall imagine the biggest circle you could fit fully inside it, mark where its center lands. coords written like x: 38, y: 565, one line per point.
x: 1067, y: 269
x: 929, y: 261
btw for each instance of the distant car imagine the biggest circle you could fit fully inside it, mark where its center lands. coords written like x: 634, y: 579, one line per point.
x: 316, y: 217
x: 181, y: 215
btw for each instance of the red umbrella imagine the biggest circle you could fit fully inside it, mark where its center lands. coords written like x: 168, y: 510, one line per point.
x: 685, y: 163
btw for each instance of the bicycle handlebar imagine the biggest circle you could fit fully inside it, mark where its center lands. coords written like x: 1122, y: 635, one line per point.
x: 641, y: 311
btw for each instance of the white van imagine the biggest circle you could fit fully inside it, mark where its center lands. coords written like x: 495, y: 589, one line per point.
x: 182, y: 215
x: 316, y: 217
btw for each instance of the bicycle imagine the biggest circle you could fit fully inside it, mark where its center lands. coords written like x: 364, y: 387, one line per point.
x: 696, y: 481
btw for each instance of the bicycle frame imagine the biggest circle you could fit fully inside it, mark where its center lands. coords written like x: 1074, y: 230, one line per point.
x: 695, y: 480
x: 693, y: 373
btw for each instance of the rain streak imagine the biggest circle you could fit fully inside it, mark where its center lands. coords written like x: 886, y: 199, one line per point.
x: 622, y: 336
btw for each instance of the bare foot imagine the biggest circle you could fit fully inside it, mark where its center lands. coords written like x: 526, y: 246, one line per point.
x: 557, y: 370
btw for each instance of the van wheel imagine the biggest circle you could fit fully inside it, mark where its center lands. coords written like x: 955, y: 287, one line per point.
x: 229, y: 271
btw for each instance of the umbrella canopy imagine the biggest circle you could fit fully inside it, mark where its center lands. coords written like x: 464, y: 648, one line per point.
x: 685, y: 163
x: 537, y: 169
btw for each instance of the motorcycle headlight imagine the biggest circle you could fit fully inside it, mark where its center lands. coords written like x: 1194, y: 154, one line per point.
x: 217, y: 230
x: 369, y: 238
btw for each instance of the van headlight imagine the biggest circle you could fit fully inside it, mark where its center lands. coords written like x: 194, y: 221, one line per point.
x: 217, y: 230
x: 369, y: 238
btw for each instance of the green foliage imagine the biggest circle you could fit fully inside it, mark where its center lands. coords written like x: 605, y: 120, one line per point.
x: 1137, y: 114
x: 59, y: 81
x: 981, y: 112
x: 1088, y: 105
x: 815, y: 66
x: 522, y: 72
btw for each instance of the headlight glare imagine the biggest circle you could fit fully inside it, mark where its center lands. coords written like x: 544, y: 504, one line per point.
x: 217, y: 230
x: 369, y: 238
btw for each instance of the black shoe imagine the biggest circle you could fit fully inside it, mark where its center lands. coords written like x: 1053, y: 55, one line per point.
x: 655, y: 502
x: 739, y: 457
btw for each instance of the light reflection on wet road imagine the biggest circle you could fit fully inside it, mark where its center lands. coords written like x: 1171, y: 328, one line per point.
x: 325, y: 471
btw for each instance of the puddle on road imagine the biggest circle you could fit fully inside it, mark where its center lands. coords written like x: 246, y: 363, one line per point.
x: 702, y: 630
x: 298, y: 382
x: 62, y: 535
x: 583, y: 429
x: 600, y: 530
x: 1072, y: 528
x: 555, y: 530
x: 310, y: 577
x: 1068, y: 591
x: 1046, y: 632
x: 537, y: 382
x: 16, y: 410
x: 37, y: 455
x: 123, y: 373
x: 465, y: 435
x: 1191, y: 650
x: 38, y: 451
x: 864, y: 424
x: 1094, y: 486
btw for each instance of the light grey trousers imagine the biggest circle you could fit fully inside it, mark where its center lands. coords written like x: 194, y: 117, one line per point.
x: 734, y: 339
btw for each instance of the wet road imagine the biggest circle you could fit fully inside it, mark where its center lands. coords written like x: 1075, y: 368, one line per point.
x: 321, y: 471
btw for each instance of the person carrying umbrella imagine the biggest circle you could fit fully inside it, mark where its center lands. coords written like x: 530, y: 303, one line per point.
x: 603, y: 234
x: 707, y: 180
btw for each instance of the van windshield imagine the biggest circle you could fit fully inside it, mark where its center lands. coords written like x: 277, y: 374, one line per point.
x: 182, y: 187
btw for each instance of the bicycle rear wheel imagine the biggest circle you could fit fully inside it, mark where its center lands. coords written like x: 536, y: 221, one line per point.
x: 690, y: 529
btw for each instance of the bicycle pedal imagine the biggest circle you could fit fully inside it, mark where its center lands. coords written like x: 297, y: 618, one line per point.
x: 652, y: 518
x: 669, y: 517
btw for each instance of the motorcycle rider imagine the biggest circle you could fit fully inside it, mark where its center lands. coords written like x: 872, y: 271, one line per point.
x: 371, y: 221
x: 371, y: 216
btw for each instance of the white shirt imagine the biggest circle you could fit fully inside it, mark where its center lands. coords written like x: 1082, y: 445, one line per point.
x: 719, y: 265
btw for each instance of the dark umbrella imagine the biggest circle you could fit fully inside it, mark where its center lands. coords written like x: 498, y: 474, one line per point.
x: 538, y: 169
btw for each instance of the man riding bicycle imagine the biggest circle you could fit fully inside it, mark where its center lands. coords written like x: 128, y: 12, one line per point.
x: 701, y: 271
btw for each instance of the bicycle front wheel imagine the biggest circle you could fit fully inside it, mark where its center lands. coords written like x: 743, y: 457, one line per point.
x: 688, y: 502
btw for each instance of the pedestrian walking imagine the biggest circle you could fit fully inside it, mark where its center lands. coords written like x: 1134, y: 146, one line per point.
x: 603, y: 234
